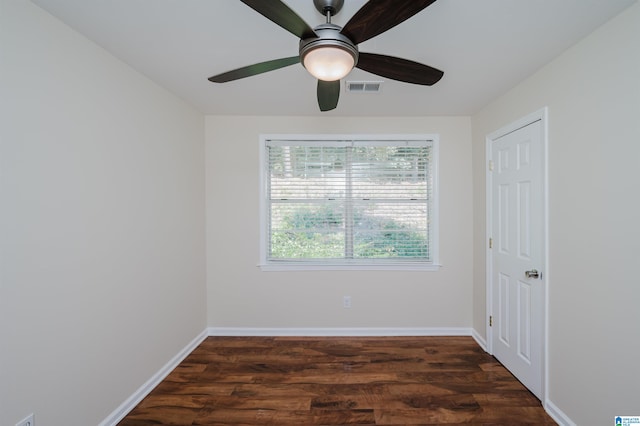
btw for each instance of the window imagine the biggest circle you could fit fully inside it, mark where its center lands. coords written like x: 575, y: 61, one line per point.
x: 356, y: 202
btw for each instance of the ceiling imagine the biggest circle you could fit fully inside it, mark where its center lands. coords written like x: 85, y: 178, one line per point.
x: 484, y: 47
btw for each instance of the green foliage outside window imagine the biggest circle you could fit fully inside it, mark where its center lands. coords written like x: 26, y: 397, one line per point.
x: 318, y: 233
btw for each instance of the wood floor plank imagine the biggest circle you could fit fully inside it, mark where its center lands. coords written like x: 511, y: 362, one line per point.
x: 339, y: 381
x: 282, y: 417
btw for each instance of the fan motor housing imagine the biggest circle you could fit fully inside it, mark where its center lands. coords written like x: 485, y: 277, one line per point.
x: 328, y: 35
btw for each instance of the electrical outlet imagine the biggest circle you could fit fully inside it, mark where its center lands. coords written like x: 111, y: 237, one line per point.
x: 346, y: 302
x: 27, y: 421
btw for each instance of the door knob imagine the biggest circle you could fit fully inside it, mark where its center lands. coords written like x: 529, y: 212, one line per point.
x: 532, y: 274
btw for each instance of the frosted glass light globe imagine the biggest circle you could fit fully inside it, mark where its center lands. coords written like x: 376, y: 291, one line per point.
x: 328, y: 63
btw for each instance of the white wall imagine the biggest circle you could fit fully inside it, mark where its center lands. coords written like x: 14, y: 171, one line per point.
x: 102, y: 273
x: 593, y: 95
x: 241, y: 295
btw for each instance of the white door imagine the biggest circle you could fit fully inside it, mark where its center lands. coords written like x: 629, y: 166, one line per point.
x: 517, y: 254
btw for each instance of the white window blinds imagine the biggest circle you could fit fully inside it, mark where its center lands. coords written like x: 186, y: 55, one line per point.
x: 347, y: 202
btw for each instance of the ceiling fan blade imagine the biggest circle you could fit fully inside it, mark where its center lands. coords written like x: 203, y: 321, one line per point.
x: 399, y: 69
x: 377, y: 16
x: 282, y: 15
x: 328, y: 94
x: 254, y: 69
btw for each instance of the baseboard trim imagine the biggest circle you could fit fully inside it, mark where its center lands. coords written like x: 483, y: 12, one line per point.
x: 339, y: 332
x: 557, y: 414
x: 119, y: 413
x: 479, y: 339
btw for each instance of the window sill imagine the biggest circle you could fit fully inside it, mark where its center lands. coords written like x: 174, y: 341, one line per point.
x: 295, y: 266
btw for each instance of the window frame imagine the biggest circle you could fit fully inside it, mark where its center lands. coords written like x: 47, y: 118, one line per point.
x: 332, y: 264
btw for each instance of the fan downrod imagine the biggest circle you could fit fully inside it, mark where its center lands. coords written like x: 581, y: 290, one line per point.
x: 332, y: 7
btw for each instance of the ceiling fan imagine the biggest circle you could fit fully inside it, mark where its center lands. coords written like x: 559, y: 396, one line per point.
x: 329, y: 52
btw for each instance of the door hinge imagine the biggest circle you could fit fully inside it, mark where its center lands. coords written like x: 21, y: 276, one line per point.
x: 490, y: 242
x: 490, y: 320
x: 490, y: 165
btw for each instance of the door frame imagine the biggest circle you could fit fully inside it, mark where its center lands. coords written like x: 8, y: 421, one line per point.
x: 542, y: 116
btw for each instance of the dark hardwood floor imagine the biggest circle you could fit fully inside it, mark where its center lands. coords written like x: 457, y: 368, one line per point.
x: 339, y: 381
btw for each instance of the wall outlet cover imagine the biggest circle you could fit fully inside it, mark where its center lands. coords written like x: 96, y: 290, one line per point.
x: 27, y: 421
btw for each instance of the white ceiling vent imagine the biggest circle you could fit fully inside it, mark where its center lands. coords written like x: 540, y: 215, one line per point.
x: 364, y: 86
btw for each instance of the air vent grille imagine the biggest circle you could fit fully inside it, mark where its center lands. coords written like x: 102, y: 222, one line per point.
x: 364, y: 86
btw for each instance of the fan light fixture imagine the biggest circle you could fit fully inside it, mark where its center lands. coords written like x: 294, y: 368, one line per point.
x: 330, y: 56
x: 329, y: 52
x: 329, y: 63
